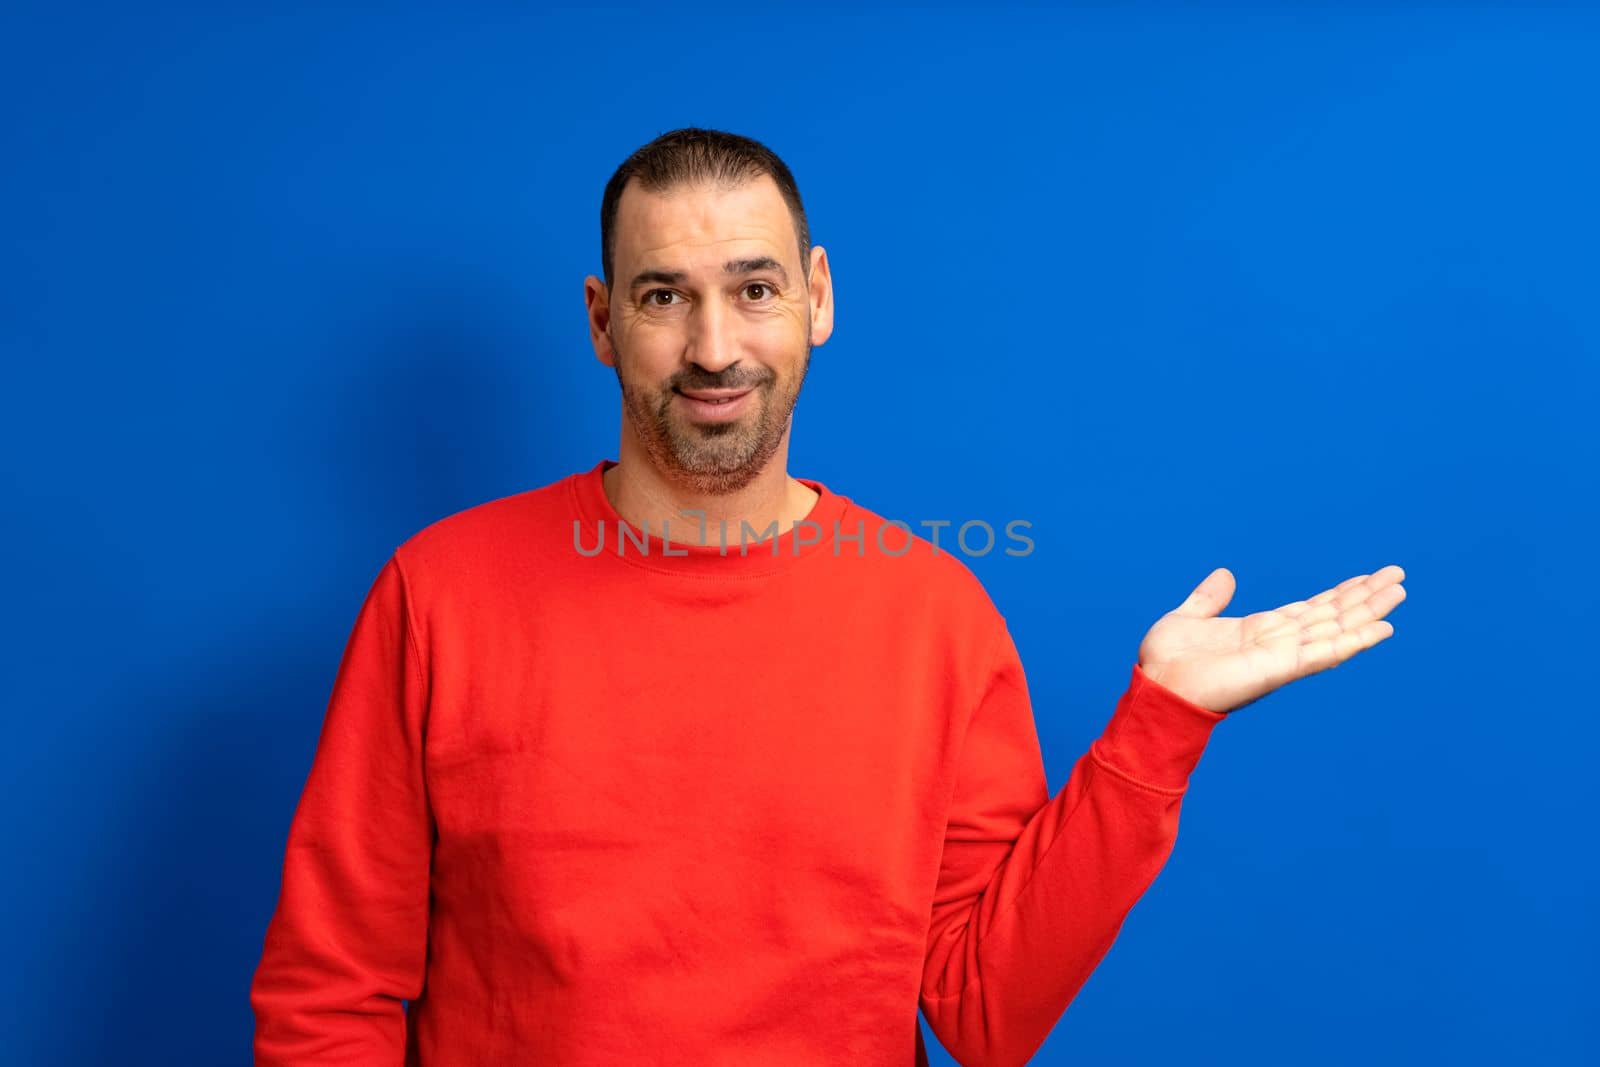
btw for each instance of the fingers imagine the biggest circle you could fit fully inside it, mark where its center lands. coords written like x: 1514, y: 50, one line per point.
x: 1375, y: 606
x: 1318, y: 655
x: 1328, y: 594
x: 1335, y: 616
x: 1330, y: 602
x: 1298, y: 608
x: 1336, y: 623
x: 1383, y: 576
x: 1210, y: 596
x: 1339, y: 622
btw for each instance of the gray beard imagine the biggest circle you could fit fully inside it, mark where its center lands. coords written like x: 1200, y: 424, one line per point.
x: 717, y: 459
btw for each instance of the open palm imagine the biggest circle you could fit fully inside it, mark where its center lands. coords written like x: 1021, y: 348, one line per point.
x: 1225, y: 663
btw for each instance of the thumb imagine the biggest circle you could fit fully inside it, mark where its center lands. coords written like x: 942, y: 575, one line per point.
x: 1210, y: 596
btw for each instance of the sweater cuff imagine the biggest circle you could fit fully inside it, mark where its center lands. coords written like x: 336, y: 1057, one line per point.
x: 1155, y: 737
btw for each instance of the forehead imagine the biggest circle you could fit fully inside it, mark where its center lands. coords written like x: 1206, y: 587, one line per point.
x: 699, y: 226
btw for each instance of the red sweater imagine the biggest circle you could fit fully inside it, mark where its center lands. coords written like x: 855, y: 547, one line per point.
x: 708, y: 808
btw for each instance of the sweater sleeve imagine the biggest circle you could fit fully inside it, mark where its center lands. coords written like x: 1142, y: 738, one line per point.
x: 1033, y: 890
x: 348, y: 939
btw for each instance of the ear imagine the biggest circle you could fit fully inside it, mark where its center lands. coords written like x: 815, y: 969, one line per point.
x: 598, y: 300
x: 819, y: 292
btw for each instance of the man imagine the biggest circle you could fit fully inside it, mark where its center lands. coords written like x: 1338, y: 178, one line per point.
x: 683, y: 760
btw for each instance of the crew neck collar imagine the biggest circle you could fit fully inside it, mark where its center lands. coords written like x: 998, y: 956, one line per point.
x: 596, y: 513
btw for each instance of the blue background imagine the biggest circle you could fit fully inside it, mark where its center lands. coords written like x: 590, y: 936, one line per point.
x: 1297, y: 292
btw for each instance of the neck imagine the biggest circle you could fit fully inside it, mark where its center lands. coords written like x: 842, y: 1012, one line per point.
x: 642, y: 494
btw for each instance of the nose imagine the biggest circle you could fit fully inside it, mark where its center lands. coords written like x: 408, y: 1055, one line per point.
x: 713, y: 344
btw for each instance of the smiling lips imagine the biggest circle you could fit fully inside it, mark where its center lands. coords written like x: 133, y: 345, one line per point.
x: 715, y: 405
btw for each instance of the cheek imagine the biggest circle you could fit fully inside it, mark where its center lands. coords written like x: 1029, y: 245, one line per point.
x: 778, y: 341
x: 649, y: 356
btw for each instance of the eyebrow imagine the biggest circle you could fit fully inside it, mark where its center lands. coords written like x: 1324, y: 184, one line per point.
x: 733, y: 266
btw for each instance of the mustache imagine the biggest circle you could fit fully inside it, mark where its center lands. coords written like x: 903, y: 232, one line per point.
x: 699, y: 379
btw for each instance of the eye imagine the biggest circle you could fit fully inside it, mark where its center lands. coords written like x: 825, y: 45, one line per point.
x: 759, y: 285
x: 650, y: 297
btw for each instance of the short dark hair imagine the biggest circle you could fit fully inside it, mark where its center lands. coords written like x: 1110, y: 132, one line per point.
x: 689, y: 155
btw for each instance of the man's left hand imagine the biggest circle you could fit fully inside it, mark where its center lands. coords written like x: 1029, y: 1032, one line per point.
x: 1225, y: 663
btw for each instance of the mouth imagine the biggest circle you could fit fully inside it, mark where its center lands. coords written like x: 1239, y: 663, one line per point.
x: 714, y: 405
